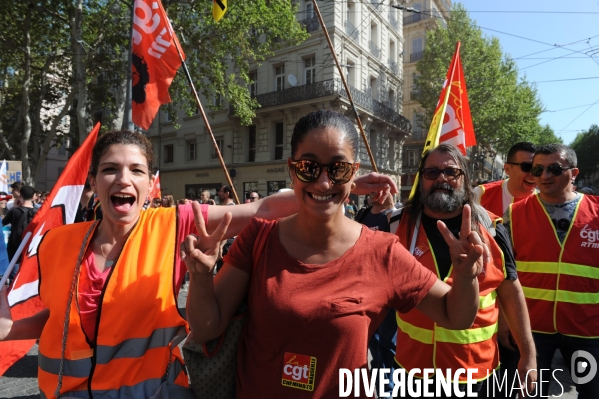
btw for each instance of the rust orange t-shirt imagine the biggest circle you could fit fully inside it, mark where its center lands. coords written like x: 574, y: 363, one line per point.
x: 307, y: 321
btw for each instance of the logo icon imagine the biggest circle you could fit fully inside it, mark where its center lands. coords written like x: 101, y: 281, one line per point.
x: 298, y: 371
x: 582, y: 362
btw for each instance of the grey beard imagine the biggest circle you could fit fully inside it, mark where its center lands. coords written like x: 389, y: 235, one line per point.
x: 444, y: 202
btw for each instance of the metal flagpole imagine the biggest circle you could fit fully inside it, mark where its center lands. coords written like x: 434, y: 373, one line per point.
x: 349, y: 96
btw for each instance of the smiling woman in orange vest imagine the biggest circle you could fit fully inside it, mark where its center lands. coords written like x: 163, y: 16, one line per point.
x: 110, y: 286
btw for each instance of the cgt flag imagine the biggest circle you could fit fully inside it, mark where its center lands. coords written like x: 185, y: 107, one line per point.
x: 59, y: 208
x: 452, y: 122
x: 219, y: 9
x: 155, y: 60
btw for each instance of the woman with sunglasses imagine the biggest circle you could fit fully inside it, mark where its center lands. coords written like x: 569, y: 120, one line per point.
x: 322, y: 283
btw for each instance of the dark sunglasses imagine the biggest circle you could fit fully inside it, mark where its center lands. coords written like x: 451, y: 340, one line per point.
x: 449, y: 173
x: 554, y: 170
x: 524, y: 166
x: 338, y: 172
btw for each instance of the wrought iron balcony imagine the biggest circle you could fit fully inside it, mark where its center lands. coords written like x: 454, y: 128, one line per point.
x: 352, y: 31
x: 374, y: 49
x: 415, y: 17
x: 311, y: 24
x: 393, y: 21
x: 416, y: 56
x: 394, y: 67
x: 334, y: 87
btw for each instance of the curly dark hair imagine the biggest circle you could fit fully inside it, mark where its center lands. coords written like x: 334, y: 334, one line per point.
x: 120, y: 137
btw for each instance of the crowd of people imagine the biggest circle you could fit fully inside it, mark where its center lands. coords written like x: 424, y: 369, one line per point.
x: 494, y: 278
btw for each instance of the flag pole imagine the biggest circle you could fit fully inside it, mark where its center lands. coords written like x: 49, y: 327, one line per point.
x: 16, y: 256
x: 199, y: 105
x: 128, y: 115
x: 349, y: 96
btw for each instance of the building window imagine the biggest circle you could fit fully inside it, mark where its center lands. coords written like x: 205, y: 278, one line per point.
x: 280, y: 77
x: 351, y: 73
x: 309, y: 10
x: 252, y: 144
x: 417, y: 50
x: 310, y: 70
x: 411, y: 158
x: 219, y: 143
x: 416, y: 129
x: 168, y: 117
x: 279, y: 139
x: 253, y: 84
x: 217, y: 100
x: 169, y: 153
x: 191, y: 151
x: 275, y: 186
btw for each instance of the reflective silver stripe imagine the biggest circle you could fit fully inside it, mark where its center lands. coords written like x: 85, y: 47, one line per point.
x: 72, y: 368
x: 136, y: 347
x: 144, y: 389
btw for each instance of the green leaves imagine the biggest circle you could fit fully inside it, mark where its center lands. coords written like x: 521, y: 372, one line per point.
x: 505, y: 109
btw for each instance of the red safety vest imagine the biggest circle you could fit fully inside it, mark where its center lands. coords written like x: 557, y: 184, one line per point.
x: 137, y: 317
x: 560, y: 280
x: 421, y: 343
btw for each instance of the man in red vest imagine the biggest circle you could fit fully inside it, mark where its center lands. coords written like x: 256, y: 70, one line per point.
x: 498, y: 195
x: 444, y: 190
x: 555, y: 235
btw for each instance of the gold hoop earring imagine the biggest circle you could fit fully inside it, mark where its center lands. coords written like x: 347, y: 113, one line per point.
x: 353, y: 186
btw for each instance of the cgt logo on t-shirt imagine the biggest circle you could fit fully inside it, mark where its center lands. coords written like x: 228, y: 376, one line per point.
x: 298, y: 371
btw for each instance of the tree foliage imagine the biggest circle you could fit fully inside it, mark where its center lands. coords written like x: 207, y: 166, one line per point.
x: 586, y: 145
x: 69, y: 58
x: 505, y: 108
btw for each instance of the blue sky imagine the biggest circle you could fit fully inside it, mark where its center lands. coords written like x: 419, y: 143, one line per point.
x: 538, y: 32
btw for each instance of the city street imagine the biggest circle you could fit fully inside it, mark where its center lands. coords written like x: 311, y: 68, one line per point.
x: 20, y: 381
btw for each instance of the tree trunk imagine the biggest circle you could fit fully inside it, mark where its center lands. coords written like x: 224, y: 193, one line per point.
x: 79, y: 50
x: 120, y: 109
x: 25, y: 101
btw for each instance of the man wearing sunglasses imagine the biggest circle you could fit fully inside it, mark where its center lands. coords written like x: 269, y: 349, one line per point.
x: 443, y: 192
x: 497, y: 196
x: 555, y: 235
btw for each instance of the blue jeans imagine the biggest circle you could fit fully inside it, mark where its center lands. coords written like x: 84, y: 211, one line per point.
x: 382, y: 348
x: 546, y: 344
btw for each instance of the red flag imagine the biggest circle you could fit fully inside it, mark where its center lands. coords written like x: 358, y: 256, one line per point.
x: 59, y: 208
x: 452, y: 122
x: 155, y: 60
x: 155, y: 192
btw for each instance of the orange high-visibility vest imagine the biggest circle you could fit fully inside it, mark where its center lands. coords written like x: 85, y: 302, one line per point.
x: 421, y: 343
x: 491, y: 197
x: 137, y: 318
x: 560, y: 280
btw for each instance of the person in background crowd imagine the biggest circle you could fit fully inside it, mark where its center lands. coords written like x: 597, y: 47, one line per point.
x: 43, y: 196
x: 168, y: 201
x: 254, y: 196
x: 349, y: 210
x: 554, y: 235
x: 354, y: 206
x: 156, y: 203
x: 324, y: 282
x: 496, y: 197
x: 205, y: 198
x: 587, y: 190
x: 15, y: 189
x: 225, y: 195
x: 443, y: 192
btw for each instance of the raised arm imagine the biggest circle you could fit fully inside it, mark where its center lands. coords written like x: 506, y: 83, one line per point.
x: 27, y: 328
x: 455, y: 307
x: 285, y: 204
x: 211, y: 302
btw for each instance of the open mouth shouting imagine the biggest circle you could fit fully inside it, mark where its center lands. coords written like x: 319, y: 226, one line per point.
x: 122, y: 202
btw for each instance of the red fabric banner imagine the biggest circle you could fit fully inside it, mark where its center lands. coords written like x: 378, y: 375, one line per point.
x: 154, y: 60
x: 59, y: 208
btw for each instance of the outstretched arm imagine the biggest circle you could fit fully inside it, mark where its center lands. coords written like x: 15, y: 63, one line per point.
x: 456, y: 307
x: 285, y: 204
x: 27, y: 328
